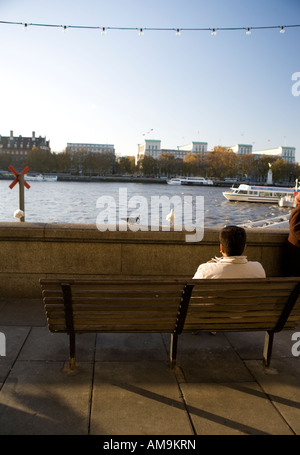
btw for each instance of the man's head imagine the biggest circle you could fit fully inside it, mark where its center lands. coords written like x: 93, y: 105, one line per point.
x: 232, y: 240
x: 298, y: 199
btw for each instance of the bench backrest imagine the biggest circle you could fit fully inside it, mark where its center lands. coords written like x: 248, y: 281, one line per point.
x: 253, y: 304
x: 105, y: 305
x: 168, y: 305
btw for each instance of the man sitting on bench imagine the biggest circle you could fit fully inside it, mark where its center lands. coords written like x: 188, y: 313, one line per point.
x: 232, y: 264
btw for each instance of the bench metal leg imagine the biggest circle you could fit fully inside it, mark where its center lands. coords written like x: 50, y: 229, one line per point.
x: 268, y: 348
x: 72, y: 351
x: 173, y: 349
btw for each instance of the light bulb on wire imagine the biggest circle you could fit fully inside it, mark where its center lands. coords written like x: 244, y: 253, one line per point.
x: 178, y: 31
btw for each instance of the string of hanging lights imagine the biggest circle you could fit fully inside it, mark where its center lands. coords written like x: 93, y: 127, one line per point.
x: 141, y: 30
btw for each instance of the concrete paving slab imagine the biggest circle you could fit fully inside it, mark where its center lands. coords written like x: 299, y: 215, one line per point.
x: 14, y: 340
x: 250, y: 345
x: 130, y: 347
x: 137, y: 398
x: 22, y: 312
x: 213, y: 391
x: 39, y: 399
x: 281, y: 383
x: 44, y: 345
x: 232, y: 409
x: 204, y: 357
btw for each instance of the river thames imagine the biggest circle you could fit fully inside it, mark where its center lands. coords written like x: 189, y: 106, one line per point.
x: 76, y: 202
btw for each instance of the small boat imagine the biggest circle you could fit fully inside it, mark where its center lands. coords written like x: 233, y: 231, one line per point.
x: 49, y: 178
x: 34, y: 178
x: 175, y: 181
x: 288, y: 201
x: 190, y: 181
x: 40, y: 178
x: 196, y: 181
x: 252, y: 193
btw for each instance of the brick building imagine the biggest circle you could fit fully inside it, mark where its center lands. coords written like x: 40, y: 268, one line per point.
x: 18, y: 147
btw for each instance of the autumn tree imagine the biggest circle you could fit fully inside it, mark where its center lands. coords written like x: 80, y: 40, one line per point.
x: 220, y: 148
x: 246, y: 166
x: 169, y: 165
x: 62, y: 162
x: 5, y: 160
x: 195, y: 164
x: 40, y: 160
x: 293, y: 172
x: 104, y: 163
x: 283, y: 170
x: 222, y: 163
x: 148, y: 165
x: 126, y: 165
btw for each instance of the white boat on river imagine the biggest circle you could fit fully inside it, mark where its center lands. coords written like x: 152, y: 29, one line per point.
x: 175, y: 181
x: 40, y: 178
x: 190, y: 181
x: 252, y: 193
x: 287, y: 201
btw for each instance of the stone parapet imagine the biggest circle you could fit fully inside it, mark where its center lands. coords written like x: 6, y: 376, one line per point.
x: 30, y: 251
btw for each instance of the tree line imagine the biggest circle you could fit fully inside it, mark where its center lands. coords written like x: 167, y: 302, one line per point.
x: 220, y: 163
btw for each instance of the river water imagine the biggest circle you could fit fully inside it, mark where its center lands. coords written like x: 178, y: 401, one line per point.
x: 84, y: 202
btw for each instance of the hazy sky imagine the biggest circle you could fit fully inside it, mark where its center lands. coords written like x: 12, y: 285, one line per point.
x: 122, y: 88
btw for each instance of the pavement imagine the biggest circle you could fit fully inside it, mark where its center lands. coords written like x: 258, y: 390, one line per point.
x: 123, y: 384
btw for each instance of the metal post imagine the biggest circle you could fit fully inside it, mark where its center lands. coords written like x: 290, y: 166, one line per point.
x: 21, y: 196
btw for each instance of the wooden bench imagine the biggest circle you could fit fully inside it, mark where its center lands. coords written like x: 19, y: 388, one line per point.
x: 105, y: 305
x: 171, y: 306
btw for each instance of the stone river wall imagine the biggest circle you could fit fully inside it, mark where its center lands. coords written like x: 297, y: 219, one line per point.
x: 30, y: 251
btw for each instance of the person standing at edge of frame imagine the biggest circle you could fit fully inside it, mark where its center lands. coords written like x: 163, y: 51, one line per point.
x: 294, y: 239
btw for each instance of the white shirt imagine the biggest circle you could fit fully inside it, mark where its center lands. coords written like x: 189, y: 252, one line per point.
x: 230, y: 267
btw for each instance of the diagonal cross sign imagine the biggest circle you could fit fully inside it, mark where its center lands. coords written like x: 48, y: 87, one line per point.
x: 19, y: 178
x: 16, y: 173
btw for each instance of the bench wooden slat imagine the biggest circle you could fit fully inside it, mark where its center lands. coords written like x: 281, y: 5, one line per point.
x: 235, y: 291
x: 118, y: 304
x: 234, y: 314
x: 164, y: 322
x: 233, y: 305
x: 140, y: 306
x: 236, y: 283
x: 236, y: 307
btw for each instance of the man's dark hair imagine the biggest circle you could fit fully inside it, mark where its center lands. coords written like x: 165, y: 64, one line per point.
x: 233, y: 239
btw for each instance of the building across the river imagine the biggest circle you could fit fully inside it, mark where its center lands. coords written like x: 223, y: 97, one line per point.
x: 241, y: 149
x: 18, y: 147
x: 284, y: 152
x: 152, y: 147
x: 86, y: 148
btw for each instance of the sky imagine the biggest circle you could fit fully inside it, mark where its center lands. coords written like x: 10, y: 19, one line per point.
x: 121, y: 88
